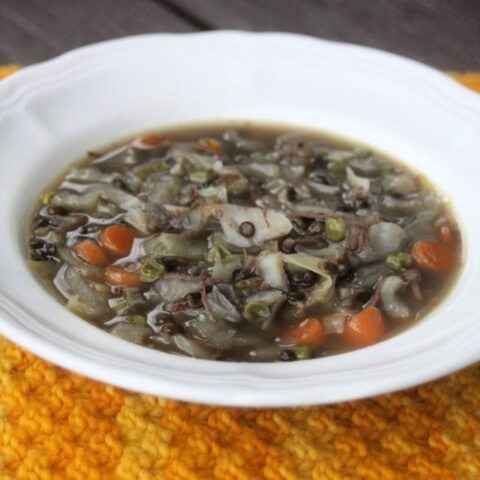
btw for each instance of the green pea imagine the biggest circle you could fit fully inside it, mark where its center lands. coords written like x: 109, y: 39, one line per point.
x: 397, y: 261
x: 151, y: 270
x: 202, y: 176
x: 256, y: 312
x: 303, y: 352
x: 335, y: 229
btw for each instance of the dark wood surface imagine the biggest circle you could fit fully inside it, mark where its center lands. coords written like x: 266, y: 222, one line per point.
x: 442, y: 33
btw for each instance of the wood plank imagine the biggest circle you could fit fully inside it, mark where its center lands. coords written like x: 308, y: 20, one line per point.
x: 442, y: 33
x: 34, y: 30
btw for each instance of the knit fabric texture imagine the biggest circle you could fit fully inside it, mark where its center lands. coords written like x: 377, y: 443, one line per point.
x: 55, y: 424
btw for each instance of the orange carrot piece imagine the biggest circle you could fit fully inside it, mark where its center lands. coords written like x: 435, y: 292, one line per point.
x: 365, y: 328
x: 89, y: 251
x: 120, y: 276
x: 309, y: 332
x: 211, y: 145
x: 152, y: 139
x: 117, y: 240
x: 432, y: 256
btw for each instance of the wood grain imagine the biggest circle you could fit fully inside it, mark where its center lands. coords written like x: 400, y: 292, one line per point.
x: 34, y: 30
x: 442, y: 33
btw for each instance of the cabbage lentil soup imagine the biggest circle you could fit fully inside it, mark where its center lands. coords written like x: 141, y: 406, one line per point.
x: 245, y: 244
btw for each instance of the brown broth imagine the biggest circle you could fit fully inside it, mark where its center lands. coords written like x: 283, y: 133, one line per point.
x: 270, y: 339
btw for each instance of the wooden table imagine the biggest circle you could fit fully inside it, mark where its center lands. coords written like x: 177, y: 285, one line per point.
x: 442, y: 33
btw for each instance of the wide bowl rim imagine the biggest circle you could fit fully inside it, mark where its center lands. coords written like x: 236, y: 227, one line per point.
x: 233, y: 384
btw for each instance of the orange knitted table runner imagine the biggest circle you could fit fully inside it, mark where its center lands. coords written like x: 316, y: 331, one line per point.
x: 55, y: 424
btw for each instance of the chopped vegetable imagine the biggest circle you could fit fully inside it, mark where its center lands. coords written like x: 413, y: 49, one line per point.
x: 398, y: 207
x: 303, y: 352
x: 211, y: 145
x: 338, y: 160
x: 137, y: 320
x: 89, y: 251
x: 397, y: 261
x: 335, y: 229
x: 432, y: 256
x: 229, y: 245
x: 362, y: 152
x: 268, y: 224
x: 270, y: 267
x: 402, y: 184
x: 162, y: 190
x: 86, y: 270
x: 223, y: 269
x: 217, y: 252
x: 256, y: 312
x: 356, y: 181
x: 390, y: 295
x: 151, y: 270
x: 137, y: 218
x: 202, y: 176
x: 307, y: 262
x: 218, y: 194
x: 385, y: 238
x: 118, y: 305
x: 365, y: 328
x: 308, y: 332
x: 85, y: 296
x: 173, y: 245
x: 131, y: 332
x: 262, y: 170
x: 191, y: 347
x: 117, y: 240
x: 152, y: 140
x: 171, y: 289
x: 261, y: 307
x: 134, y: 297
x: 121, y: 276
x: 89, y: 200
x: 221, y: 305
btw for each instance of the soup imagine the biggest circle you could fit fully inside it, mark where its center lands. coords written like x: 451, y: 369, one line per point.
x: 252, y: 243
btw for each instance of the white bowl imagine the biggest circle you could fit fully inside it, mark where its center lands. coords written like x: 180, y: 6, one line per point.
x: 50, y: 114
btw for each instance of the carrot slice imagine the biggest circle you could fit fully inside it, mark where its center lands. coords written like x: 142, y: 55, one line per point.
x: 89, y: 251
x: 117, y: 240
x: 309, y: 332
x: 120, y: 276
x: 432, y: 256
x: 152, y: 139
x: 365, y: 328
x: 211, y: 145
